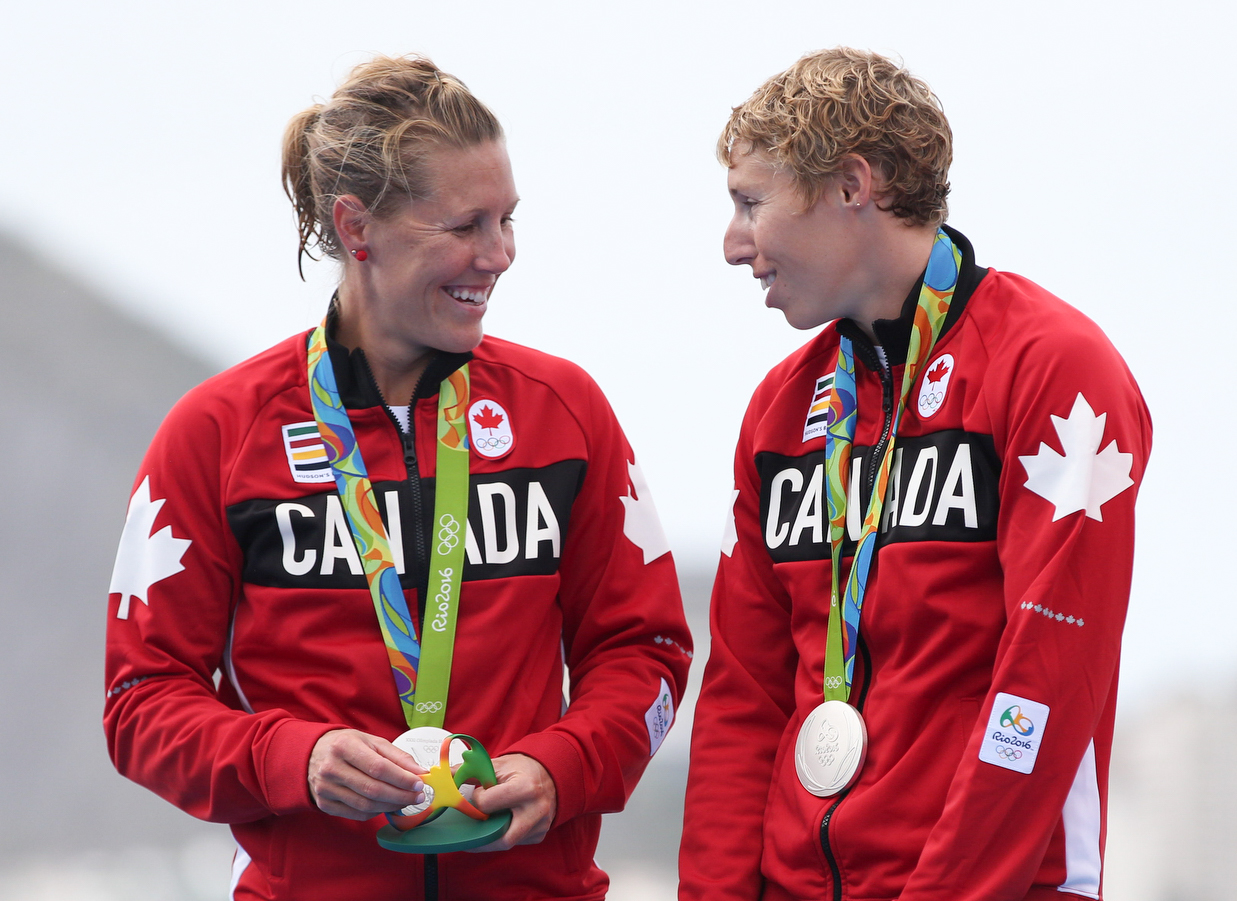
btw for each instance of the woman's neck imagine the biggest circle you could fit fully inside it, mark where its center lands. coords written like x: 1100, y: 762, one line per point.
x: 896, y: 262
x: 397, y: 368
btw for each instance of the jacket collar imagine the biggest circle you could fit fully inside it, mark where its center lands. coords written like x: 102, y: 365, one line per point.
x: 358, y: 389
x: 895, y: 334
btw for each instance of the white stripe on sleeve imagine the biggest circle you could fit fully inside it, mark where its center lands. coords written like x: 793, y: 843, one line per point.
x: 1081, y: 816
x: 239, y: 863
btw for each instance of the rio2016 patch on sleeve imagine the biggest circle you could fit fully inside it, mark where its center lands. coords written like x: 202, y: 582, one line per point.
x: 1015, y: 731
x: 659, y: 717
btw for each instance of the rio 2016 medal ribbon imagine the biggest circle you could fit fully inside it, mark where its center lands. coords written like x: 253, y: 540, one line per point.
x: 832, y: 742
x: 421, y: 666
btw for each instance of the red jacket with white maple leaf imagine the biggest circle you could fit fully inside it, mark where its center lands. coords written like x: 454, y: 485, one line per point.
x: 987, y: 662
x: 236, y: 557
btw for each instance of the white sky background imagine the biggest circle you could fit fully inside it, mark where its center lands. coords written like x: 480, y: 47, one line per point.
x: 1093, y: 154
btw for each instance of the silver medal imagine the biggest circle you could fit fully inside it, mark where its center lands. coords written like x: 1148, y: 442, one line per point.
x: 423, y: 743
x: 830, y: 749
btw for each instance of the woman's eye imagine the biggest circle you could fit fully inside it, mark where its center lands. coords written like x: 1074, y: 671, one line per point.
x: 465, y: 228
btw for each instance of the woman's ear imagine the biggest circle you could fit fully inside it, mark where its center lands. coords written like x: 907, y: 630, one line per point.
x: 351, y: 218
x: 854, y: 183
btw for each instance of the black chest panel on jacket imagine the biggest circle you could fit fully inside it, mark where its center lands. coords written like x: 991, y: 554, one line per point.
x: 517, y: 522
x: 943, y: 487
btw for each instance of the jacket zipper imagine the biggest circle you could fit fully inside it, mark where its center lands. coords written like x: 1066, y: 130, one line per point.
x: 887, y: 406
x: 886, y: 377
x: 834, y: 869
x: 414, y: 483
x: 409, y: 439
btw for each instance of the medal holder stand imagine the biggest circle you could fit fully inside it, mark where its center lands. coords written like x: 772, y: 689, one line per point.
x: 450, y: 822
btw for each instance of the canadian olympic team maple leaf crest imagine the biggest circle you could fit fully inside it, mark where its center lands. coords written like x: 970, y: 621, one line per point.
x: 489, y: 429
x: 1082, y: 477
x: 487, y: 418
x: 935, y: 386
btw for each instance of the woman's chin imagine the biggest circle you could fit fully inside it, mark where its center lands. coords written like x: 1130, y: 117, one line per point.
x: 804, y: 319
x: 462, y: 341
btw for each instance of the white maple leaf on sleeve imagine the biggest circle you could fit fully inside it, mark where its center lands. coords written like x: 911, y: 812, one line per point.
x: 641, y: 524
x: 1083, y: 477
x: 142, y: 558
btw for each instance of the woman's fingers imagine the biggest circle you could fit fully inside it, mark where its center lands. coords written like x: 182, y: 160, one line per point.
x: 389, y: 764
x: 342, y: 802
x: 526, y: 789
x: 356, y: 775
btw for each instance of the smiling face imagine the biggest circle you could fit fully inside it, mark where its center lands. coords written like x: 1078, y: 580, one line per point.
x: 432, y: 264
x: 808, y: 259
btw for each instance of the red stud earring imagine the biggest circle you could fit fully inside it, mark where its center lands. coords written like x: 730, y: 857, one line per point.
x: 361, y: 256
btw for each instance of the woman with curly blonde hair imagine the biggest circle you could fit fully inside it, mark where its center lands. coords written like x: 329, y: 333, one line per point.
x: 917, y: 615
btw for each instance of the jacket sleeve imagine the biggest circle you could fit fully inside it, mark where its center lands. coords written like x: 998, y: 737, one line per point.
x: 175, y: 583
x: 746, y: 701
x: 1074, y: 436
x: 625, y: 638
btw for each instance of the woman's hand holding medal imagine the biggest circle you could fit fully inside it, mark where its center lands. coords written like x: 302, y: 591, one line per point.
x: 526, y: 789
x: 356, y: 775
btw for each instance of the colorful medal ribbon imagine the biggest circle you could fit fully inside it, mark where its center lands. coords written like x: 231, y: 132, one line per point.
x: 940, y: 280
x: 447, y: 558
x: 424, y: 700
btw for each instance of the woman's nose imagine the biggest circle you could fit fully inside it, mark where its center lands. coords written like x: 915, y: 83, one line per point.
x: 737, y: 243
x: 497, y: 252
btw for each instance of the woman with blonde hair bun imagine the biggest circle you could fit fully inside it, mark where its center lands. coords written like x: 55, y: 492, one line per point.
x: 917, y: 615
x: 391, y: 530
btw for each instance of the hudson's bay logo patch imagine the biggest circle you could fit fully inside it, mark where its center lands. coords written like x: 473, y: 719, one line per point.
x: 489, y: 429
x: 935, y: 383
x: 818, y: 410
x: 306, y: 455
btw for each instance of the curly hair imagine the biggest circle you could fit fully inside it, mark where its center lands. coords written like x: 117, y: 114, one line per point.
x: 371, y: 139
x: 835, y: 103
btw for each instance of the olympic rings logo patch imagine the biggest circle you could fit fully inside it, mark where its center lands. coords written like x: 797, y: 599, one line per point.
x: 495, y: 444
x: 448, y: 533
x: 832, y: 682
x: 428, y: 706
x: 1014, y: 717
x: 1008, y: 753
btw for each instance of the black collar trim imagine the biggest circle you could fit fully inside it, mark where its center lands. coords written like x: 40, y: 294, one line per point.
x: 358, y: 389
x: 895, y: 334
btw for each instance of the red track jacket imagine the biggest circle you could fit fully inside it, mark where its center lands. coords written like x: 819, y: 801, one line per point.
x: 989, y: 638
x: 236, y: 558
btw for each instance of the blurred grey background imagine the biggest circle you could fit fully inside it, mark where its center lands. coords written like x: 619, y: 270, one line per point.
x: 145, y: 243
